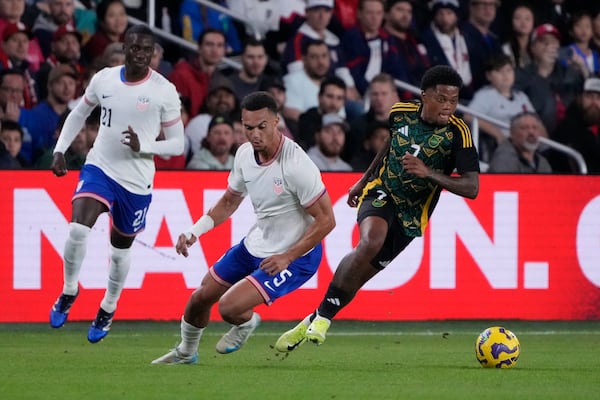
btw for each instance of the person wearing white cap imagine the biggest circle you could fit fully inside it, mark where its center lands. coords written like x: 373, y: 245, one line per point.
x: 581, y: 129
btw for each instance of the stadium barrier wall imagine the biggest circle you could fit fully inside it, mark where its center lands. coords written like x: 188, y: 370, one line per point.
x: 527, y: 248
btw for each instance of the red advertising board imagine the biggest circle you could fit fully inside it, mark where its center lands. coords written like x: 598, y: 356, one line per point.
x: 527, y: 248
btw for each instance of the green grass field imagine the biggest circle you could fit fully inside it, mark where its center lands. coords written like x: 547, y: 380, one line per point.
x: 360, y: 360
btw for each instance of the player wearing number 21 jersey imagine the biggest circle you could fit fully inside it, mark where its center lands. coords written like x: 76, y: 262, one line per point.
x: 117, y: 177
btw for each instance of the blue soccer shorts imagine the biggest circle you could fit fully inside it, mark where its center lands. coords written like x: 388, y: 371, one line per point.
x: 238, y: 263
x: 128, y: 209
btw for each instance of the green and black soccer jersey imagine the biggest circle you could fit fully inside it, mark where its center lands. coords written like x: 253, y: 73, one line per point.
x: 442, y: 149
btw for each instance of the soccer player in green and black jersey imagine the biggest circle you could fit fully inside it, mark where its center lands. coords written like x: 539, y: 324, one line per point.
x: 398, y: 192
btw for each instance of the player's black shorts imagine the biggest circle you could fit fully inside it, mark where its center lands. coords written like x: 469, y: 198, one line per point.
x: 376, y: 202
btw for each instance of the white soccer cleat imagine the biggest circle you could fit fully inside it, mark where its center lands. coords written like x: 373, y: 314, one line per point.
x: 174, y: 357
x: 237, y: 335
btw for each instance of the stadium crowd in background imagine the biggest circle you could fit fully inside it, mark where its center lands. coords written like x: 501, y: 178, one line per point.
x: 553, y: 47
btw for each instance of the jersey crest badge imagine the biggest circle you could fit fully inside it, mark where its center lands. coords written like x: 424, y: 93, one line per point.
x: 278, y: 186
x: 142, y: 103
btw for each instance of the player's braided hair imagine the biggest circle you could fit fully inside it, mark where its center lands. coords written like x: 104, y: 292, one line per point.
x: 441, y: 75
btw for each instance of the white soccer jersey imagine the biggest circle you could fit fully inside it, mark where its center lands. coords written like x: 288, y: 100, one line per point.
x: 280, y: 192
x: 143, y: 105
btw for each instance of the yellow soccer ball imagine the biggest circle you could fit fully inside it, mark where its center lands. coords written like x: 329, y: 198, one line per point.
x: 497, y: 347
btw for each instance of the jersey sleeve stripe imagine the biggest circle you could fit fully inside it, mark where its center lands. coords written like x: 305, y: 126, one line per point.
x: 403, y: 106
x: 315, y: 199
x: 171, y: 123
x: 467, y: 139
x: 88, y: 101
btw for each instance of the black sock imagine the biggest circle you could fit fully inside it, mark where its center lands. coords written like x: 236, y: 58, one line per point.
x: 335, y: 299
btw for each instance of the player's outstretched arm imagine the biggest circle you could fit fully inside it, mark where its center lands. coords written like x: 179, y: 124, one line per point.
x: 223, y: 209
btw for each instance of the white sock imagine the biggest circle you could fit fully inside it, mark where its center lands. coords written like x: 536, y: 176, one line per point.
x: 120, y: 260
x: 75, y: 248
x: 190, y: 338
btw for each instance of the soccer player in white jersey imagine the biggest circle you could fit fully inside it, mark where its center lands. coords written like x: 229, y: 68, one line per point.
x: 279, y: 253
x: 118, y: 174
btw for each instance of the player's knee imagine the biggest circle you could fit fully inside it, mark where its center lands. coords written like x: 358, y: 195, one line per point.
x: 120, y: 257
x: 78, y: 232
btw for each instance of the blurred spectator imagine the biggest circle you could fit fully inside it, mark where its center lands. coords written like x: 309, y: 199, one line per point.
x: 65, y: 49
x: 40, y: 122
x: 46, y: 24
x: 368, y: 48
x: 579, y: 53
x: 6, y: 160
x: 111, y: 26
x: 75, y: 154
x: 329, y: 143
x: 595, y: 42
x: 345, y: 12
x: 399, y: 22
x: 263, y: 14
x: 318, y: 14
x: 219, y: 101
x: 254, y: 61
x: 519, y: 154
x: 446, y: 44
x: 481, y: 41
x: 13, y: 12
x: 377, y: 134
x: 274, y: 85
x: 174, y: 162
x: 382, y: 95
x: 11, y: 140
x: 217, y: 148
x: 113, y: 55
x: 191, y: 78
x: 158, y: 63
x: 11, y: 93
x: 553, y: 12
x: 331, y: 98
x: 15, y: 42
x: 498, y: 100
x: 550, y: 86
x: 581, y: 130
x: 302, y: 85
x: 195, y: 18
x: 517, y: 45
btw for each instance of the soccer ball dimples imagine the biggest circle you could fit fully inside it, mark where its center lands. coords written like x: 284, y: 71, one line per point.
x: 497, y: 347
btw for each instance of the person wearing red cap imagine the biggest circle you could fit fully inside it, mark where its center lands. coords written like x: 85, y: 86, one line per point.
x: 65, y: 49
x: 12, y: 12
x: 550, y: 85
x: 13, y: 54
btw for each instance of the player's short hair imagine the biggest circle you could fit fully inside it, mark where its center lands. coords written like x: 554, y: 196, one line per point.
x: 441, y: 75
x: 139, y: 29
x: 258, y: 100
